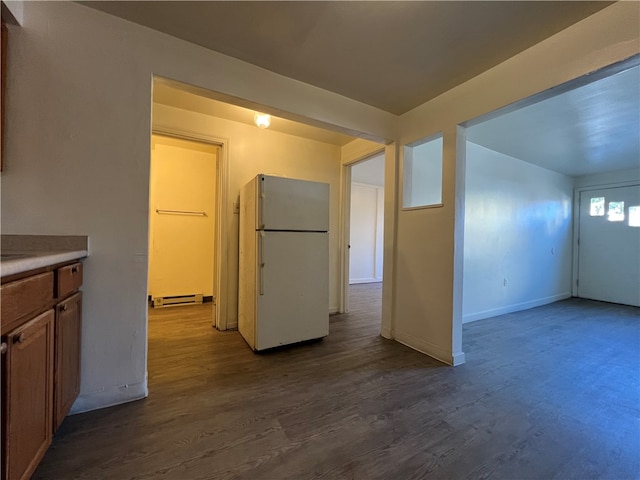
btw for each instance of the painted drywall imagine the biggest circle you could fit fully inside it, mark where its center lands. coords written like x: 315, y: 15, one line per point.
x: 427, y: 299
x: 181, y: 244
x: 366, y: 230
x: 252, y: 151
x: 517, y: 235
x: 80, y: 82
x: 609, y: 178
x: 369, y: 172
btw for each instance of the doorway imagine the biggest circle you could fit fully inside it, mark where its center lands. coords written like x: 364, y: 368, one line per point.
x: 182, y: 206
x: 364, y: 230
x: 184, y: 235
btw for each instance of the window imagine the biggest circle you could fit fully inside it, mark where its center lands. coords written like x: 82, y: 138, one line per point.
x: 422, y: 173
x: 616, y: 212
x: 634, y: 216
x: 597, y: 207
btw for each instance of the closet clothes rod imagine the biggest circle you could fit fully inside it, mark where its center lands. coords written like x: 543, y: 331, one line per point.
x: 180, y: 212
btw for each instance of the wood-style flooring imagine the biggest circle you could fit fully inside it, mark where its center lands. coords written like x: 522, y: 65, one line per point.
x: 548, y: 393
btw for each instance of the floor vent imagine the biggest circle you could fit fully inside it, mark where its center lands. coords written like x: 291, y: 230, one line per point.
x: 177, y: 300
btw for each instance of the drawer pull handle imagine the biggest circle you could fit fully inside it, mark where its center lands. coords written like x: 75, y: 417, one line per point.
x: 3, y: 348
x: 19, y: 339
x: 63, y: 308
x: 74, y: 269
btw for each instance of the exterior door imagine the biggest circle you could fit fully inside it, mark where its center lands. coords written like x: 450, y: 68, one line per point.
x: 609, y: 245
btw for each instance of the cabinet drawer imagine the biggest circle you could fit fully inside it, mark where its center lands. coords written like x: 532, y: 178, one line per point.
x: 24, y: 296
x: 69, y: 279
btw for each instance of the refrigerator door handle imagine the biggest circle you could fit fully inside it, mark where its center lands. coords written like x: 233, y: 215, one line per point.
x: 260, y: 202
x: 261, y: 262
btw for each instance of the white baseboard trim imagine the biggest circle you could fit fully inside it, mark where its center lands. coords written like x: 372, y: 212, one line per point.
x: 232, y: 326
x: 494, y: 312
x: 110, y: 397
x: 353, y: 281
x: 458, y: 359
x: 425, y: 347
x: 333, y: 310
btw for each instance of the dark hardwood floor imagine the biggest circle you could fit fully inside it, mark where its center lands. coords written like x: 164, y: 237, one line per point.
x: 548, y: 393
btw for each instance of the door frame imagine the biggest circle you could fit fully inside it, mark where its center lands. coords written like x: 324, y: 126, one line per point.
x: 220, y: 264
x: 345, y: 223
x: 577, y: 192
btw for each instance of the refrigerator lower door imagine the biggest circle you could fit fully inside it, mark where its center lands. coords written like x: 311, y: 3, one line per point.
x: 293, y: 288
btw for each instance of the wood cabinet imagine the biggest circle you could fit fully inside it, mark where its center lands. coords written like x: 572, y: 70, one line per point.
x: 41, y: 328
x: 67, y: 356
x: 28, y: 384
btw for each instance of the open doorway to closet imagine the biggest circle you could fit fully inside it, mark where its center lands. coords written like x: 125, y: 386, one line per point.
x: 182, y: 262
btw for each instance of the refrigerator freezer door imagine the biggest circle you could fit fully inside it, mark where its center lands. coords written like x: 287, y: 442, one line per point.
x: 293, y: 288
x: 291, y: 204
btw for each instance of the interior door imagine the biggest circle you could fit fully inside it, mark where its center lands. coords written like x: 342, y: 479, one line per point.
x: 609, y: 245
x: 182, y: 217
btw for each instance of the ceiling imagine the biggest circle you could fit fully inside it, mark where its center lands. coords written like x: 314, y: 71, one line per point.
x: 393, y: 55
x: 591, y: 129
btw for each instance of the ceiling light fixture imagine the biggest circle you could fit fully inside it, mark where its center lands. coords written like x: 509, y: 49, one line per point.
x: 262, y: 120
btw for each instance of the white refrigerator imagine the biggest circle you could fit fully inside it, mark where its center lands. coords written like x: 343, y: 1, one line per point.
x: 283, y: 294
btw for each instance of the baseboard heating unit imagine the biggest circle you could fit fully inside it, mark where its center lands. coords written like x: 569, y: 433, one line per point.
x: 177, y: 300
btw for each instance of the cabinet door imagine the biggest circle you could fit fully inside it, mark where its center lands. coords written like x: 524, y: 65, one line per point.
x: 67, y: 356
x: 28, y: 395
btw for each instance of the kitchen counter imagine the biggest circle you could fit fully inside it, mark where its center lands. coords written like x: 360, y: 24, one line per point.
x: 22, y: 253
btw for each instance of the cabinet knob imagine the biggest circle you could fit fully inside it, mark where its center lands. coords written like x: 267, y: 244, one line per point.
x: 63, y: 308
x: 74, y: 269
x: 3, y: 347
x: 20, y: 338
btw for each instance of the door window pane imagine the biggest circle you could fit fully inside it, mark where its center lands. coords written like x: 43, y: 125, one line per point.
x: 596, y: 208
x: 616, y: 212
x: 422, y: 173
x: 634, y: 216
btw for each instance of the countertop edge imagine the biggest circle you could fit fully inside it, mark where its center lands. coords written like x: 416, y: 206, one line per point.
x: 32, y: 262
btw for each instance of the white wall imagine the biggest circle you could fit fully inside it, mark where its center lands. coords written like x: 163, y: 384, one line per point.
x: 366, y: 233
x: 252, y: 151
x: 517, y: 235
x: 77, y: 159
x: 609, y: 178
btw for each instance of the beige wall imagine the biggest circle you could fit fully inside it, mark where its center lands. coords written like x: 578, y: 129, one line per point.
x: 79, y: 81
x: 253, y: 151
